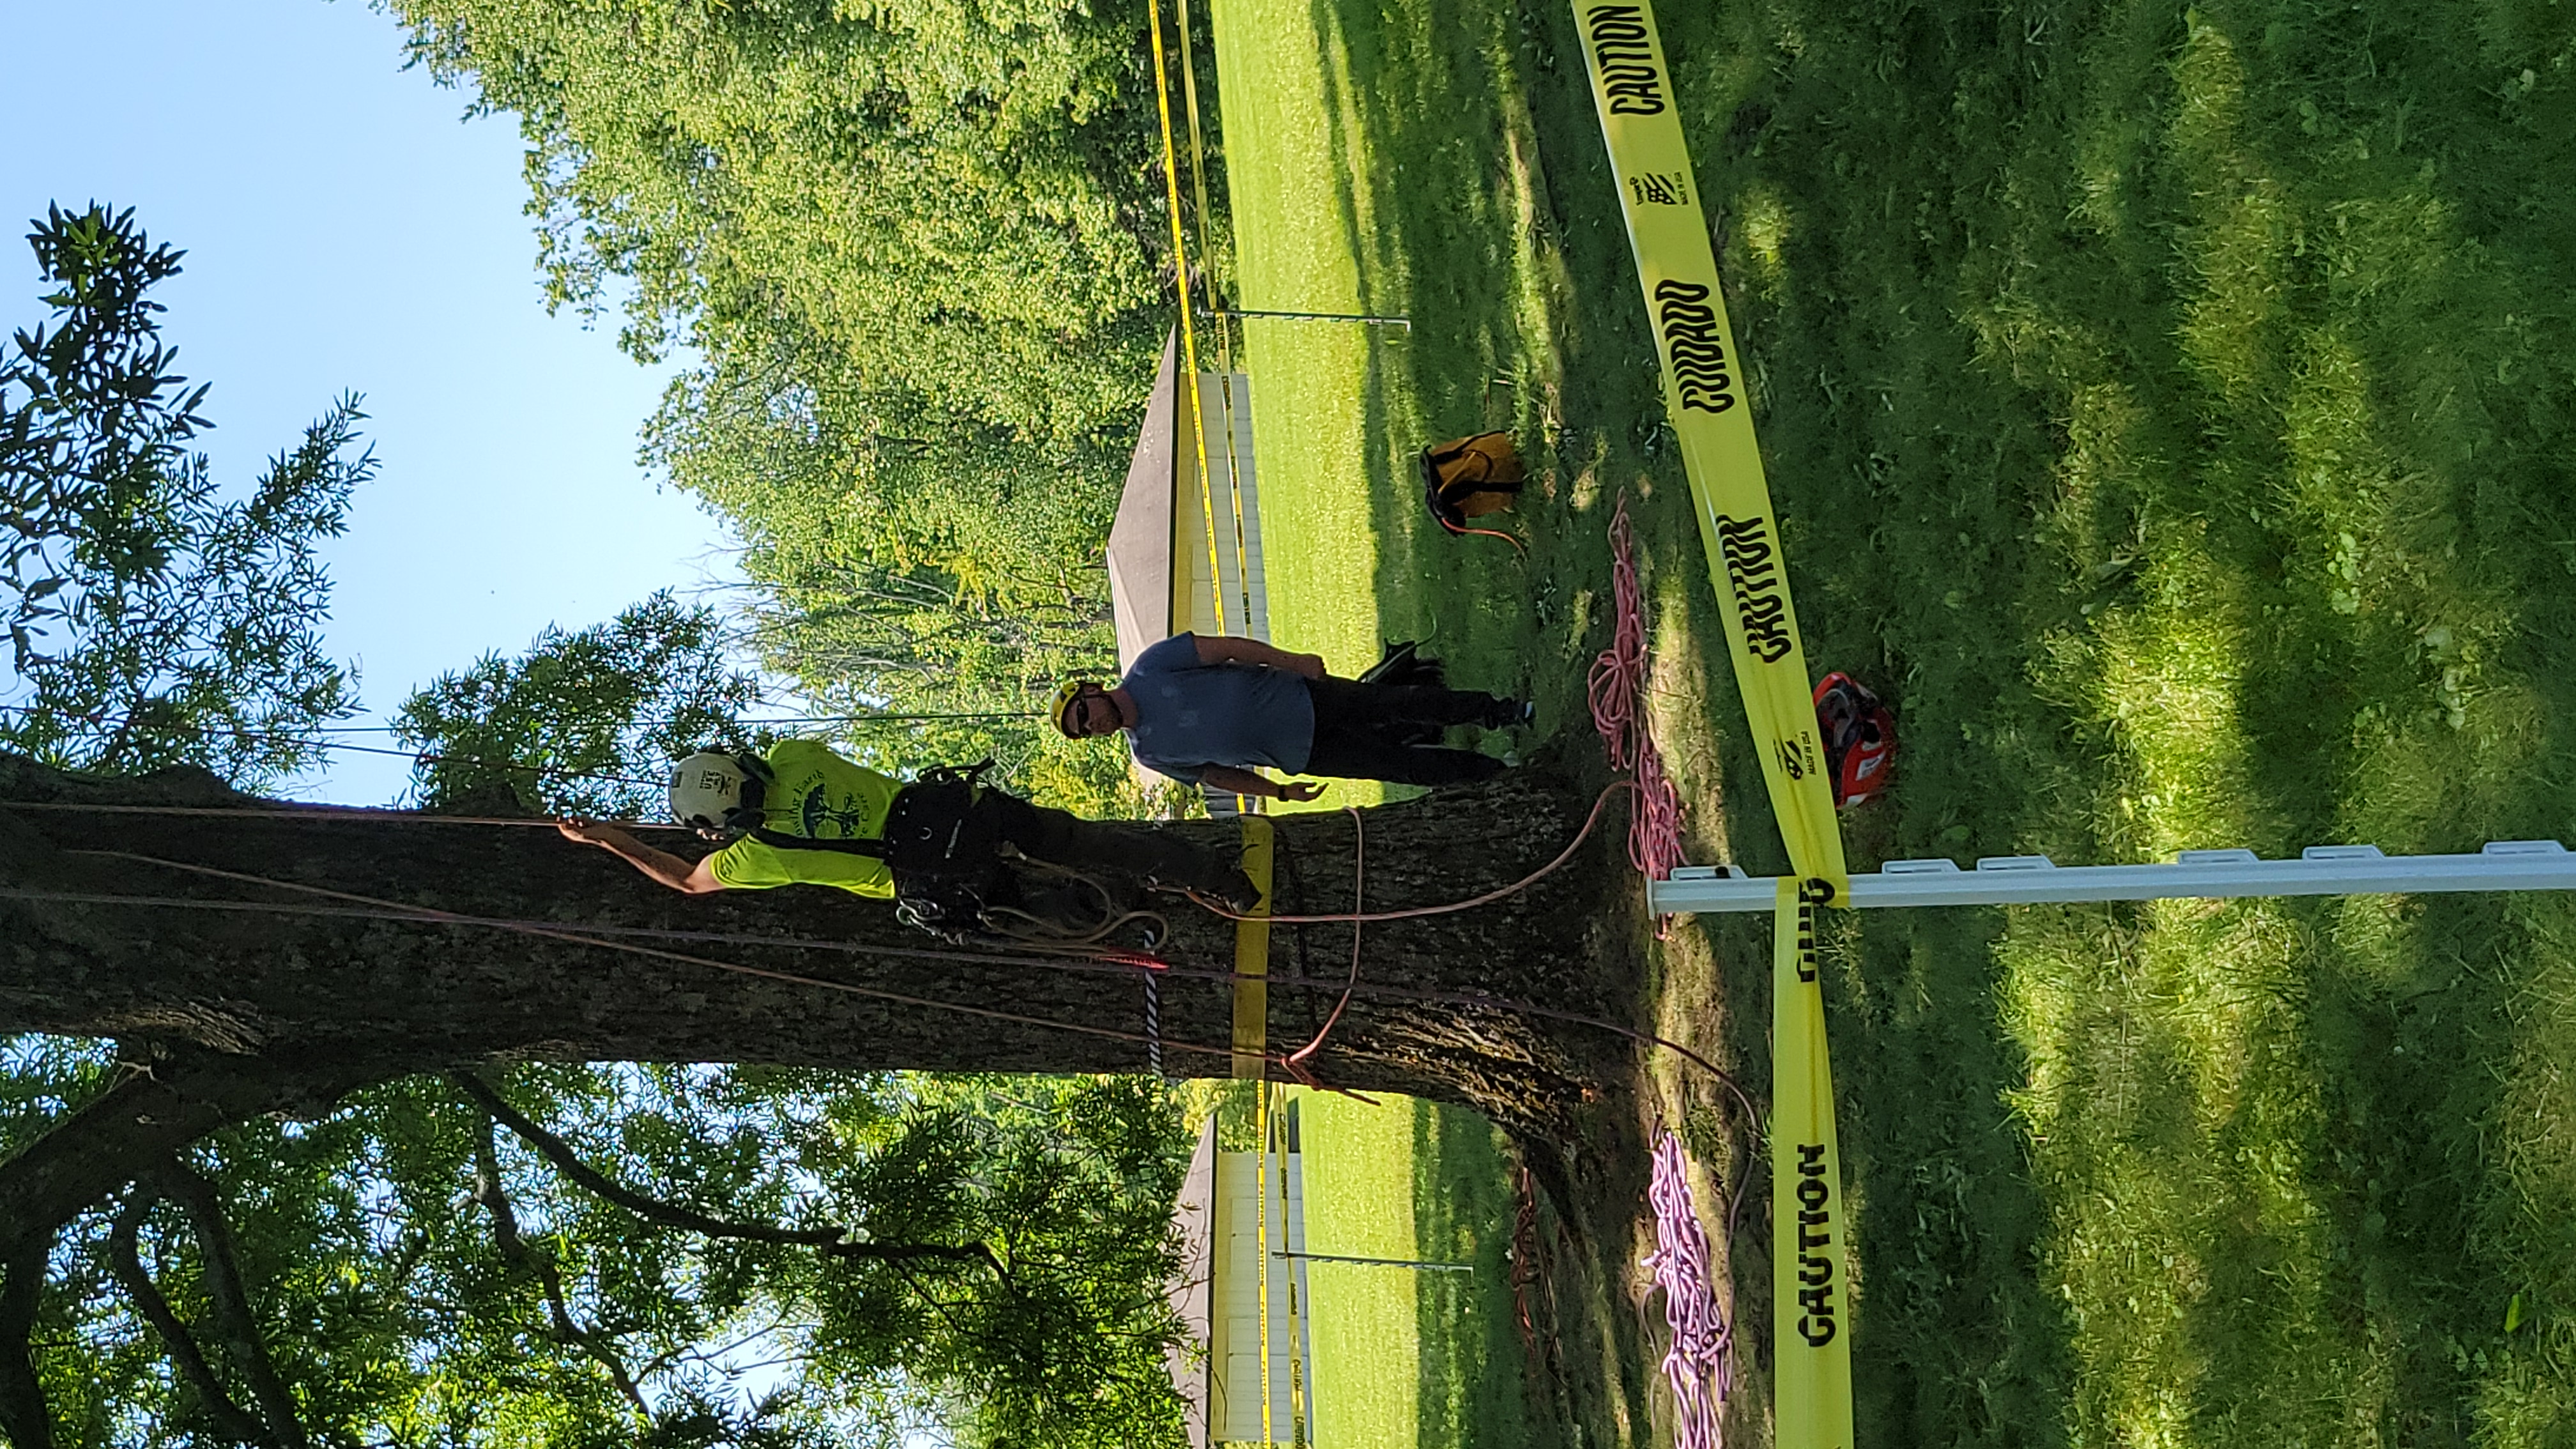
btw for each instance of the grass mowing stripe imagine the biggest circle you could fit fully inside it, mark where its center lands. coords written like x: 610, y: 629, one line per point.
x: 2170, y: 408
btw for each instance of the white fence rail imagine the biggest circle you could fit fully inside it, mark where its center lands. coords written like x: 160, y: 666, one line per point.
x: 2320, y: 870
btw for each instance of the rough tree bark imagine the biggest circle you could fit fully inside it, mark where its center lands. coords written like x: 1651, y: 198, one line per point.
x: 262, y: 1012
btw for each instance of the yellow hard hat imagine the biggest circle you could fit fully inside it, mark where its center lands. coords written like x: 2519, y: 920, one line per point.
x: 1065, y: 695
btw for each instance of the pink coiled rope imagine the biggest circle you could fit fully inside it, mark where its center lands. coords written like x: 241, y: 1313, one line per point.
x: 1618, y: 686
x: 1700, y: 1365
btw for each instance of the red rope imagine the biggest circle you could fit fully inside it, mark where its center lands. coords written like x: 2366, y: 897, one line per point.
x: 1091, y: 960
x: 1488, y: 898
x: 432, y: 915
x: 323, y: 812
x: 373, y: 909
x: 1617, y: 684
x: 1359, y: 910
x: 1517, y: 546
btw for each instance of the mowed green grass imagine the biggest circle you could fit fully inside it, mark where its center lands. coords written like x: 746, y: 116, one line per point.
x: 1341, y: 409
x: 2169, y: 409
x: 1406, y: 1357
x: 1402, y: 1358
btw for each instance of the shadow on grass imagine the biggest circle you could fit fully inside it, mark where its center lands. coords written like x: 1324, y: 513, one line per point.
x: 1471, y: 1368
x: 2169, y: 411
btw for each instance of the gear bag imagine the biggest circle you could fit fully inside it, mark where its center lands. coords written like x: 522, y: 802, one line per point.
x: 1470, y: 477
x: 1403, y: 663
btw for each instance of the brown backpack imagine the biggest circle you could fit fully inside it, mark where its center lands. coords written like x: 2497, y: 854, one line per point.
x: 1470, y: 477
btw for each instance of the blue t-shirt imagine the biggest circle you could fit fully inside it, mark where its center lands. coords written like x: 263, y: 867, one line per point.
x: 1191, y: 715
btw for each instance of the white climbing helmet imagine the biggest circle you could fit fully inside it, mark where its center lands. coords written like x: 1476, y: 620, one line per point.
x: 706, y: 789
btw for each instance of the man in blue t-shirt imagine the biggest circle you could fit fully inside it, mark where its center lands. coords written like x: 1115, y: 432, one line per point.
x: 1210, y: 710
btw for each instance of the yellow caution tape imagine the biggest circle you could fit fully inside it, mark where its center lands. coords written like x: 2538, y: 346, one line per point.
x: 1704, y: 396
x: 1252, y: 960
x: 1810, y: 1312
x: 1710, y: 411
x: 1181, y: 279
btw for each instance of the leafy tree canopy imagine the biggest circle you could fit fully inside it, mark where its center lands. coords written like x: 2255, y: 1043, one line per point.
x: 915, y: 246
x: 913, y: 236
x: 817, y: 1260
x: 154, y: 621
x: 583, y: 723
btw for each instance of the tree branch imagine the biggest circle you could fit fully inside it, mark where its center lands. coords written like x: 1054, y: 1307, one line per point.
x: 235, y: 1323
x: 126, y: 1257
x: 832, y: 1242
x: 25, y: 1417
x: 495, y: 1197
x: 144, y: 1116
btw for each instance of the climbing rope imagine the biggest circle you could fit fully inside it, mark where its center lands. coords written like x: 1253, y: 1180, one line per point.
x: 1181, y: 280
x: 1153, y: 1023
x: 326, y: 813
x: 1413, y: 912
x: 1618, y: 687
x: 1030, y: 955
x: 549, y: 931
x: 1700, y: 1364
x: 1037, y: 930
x: 1463, y: 531
x: 1359, y: 910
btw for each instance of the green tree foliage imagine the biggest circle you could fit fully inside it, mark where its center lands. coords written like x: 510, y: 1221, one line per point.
x: 583, y: 723
x: 915, y: 247
x: 983, y: 1257
x: 154, y: 621
x: 947, y: 196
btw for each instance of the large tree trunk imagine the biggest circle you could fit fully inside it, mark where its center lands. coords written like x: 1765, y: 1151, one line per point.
x: 341, y: 998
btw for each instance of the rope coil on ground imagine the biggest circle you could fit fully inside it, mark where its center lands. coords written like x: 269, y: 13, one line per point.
x: 1618, y: 684
x: 1700, y: 1364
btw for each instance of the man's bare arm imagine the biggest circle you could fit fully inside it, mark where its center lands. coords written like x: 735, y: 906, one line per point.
x: 691, y: 877
x: 1245, y: 782
x: 1228, y: 649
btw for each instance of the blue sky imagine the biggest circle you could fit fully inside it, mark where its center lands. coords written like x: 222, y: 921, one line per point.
x: 346, y: 231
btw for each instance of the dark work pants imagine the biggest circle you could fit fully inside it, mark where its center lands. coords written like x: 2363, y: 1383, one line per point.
x: 1353, y: 722
x: 1060, y: 838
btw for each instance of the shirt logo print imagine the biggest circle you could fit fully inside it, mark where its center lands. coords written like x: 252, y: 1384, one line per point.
x: 817, y: 810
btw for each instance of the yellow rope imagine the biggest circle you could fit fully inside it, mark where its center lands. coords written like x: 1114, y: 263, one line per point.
x: 1224, y: 343
x: 1181, y: 279
x: 1198, y: 183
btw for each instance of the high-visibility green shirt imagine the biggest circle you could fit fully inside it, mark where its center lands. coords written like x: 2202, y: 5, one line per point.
x: 820, y: 795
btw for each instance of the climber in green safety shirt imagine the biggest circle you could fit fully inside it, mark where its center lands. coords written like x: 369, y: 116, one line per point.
x: 805, y: 816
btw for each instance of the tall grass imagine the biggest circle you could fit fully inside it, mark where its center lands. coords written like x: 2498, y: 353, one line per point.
x: 2169, y: 408
x: 2172, y: 402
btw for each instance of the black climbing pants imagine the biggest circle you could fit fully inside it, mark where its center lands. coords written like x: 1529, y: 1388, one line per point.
x: 1141, y: 851
x: 1359, y: 730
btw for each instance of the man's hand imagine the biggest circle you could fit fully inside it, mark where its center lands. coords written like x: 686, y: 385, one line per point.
x: 1300, y: 789
x: 690, y: 877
